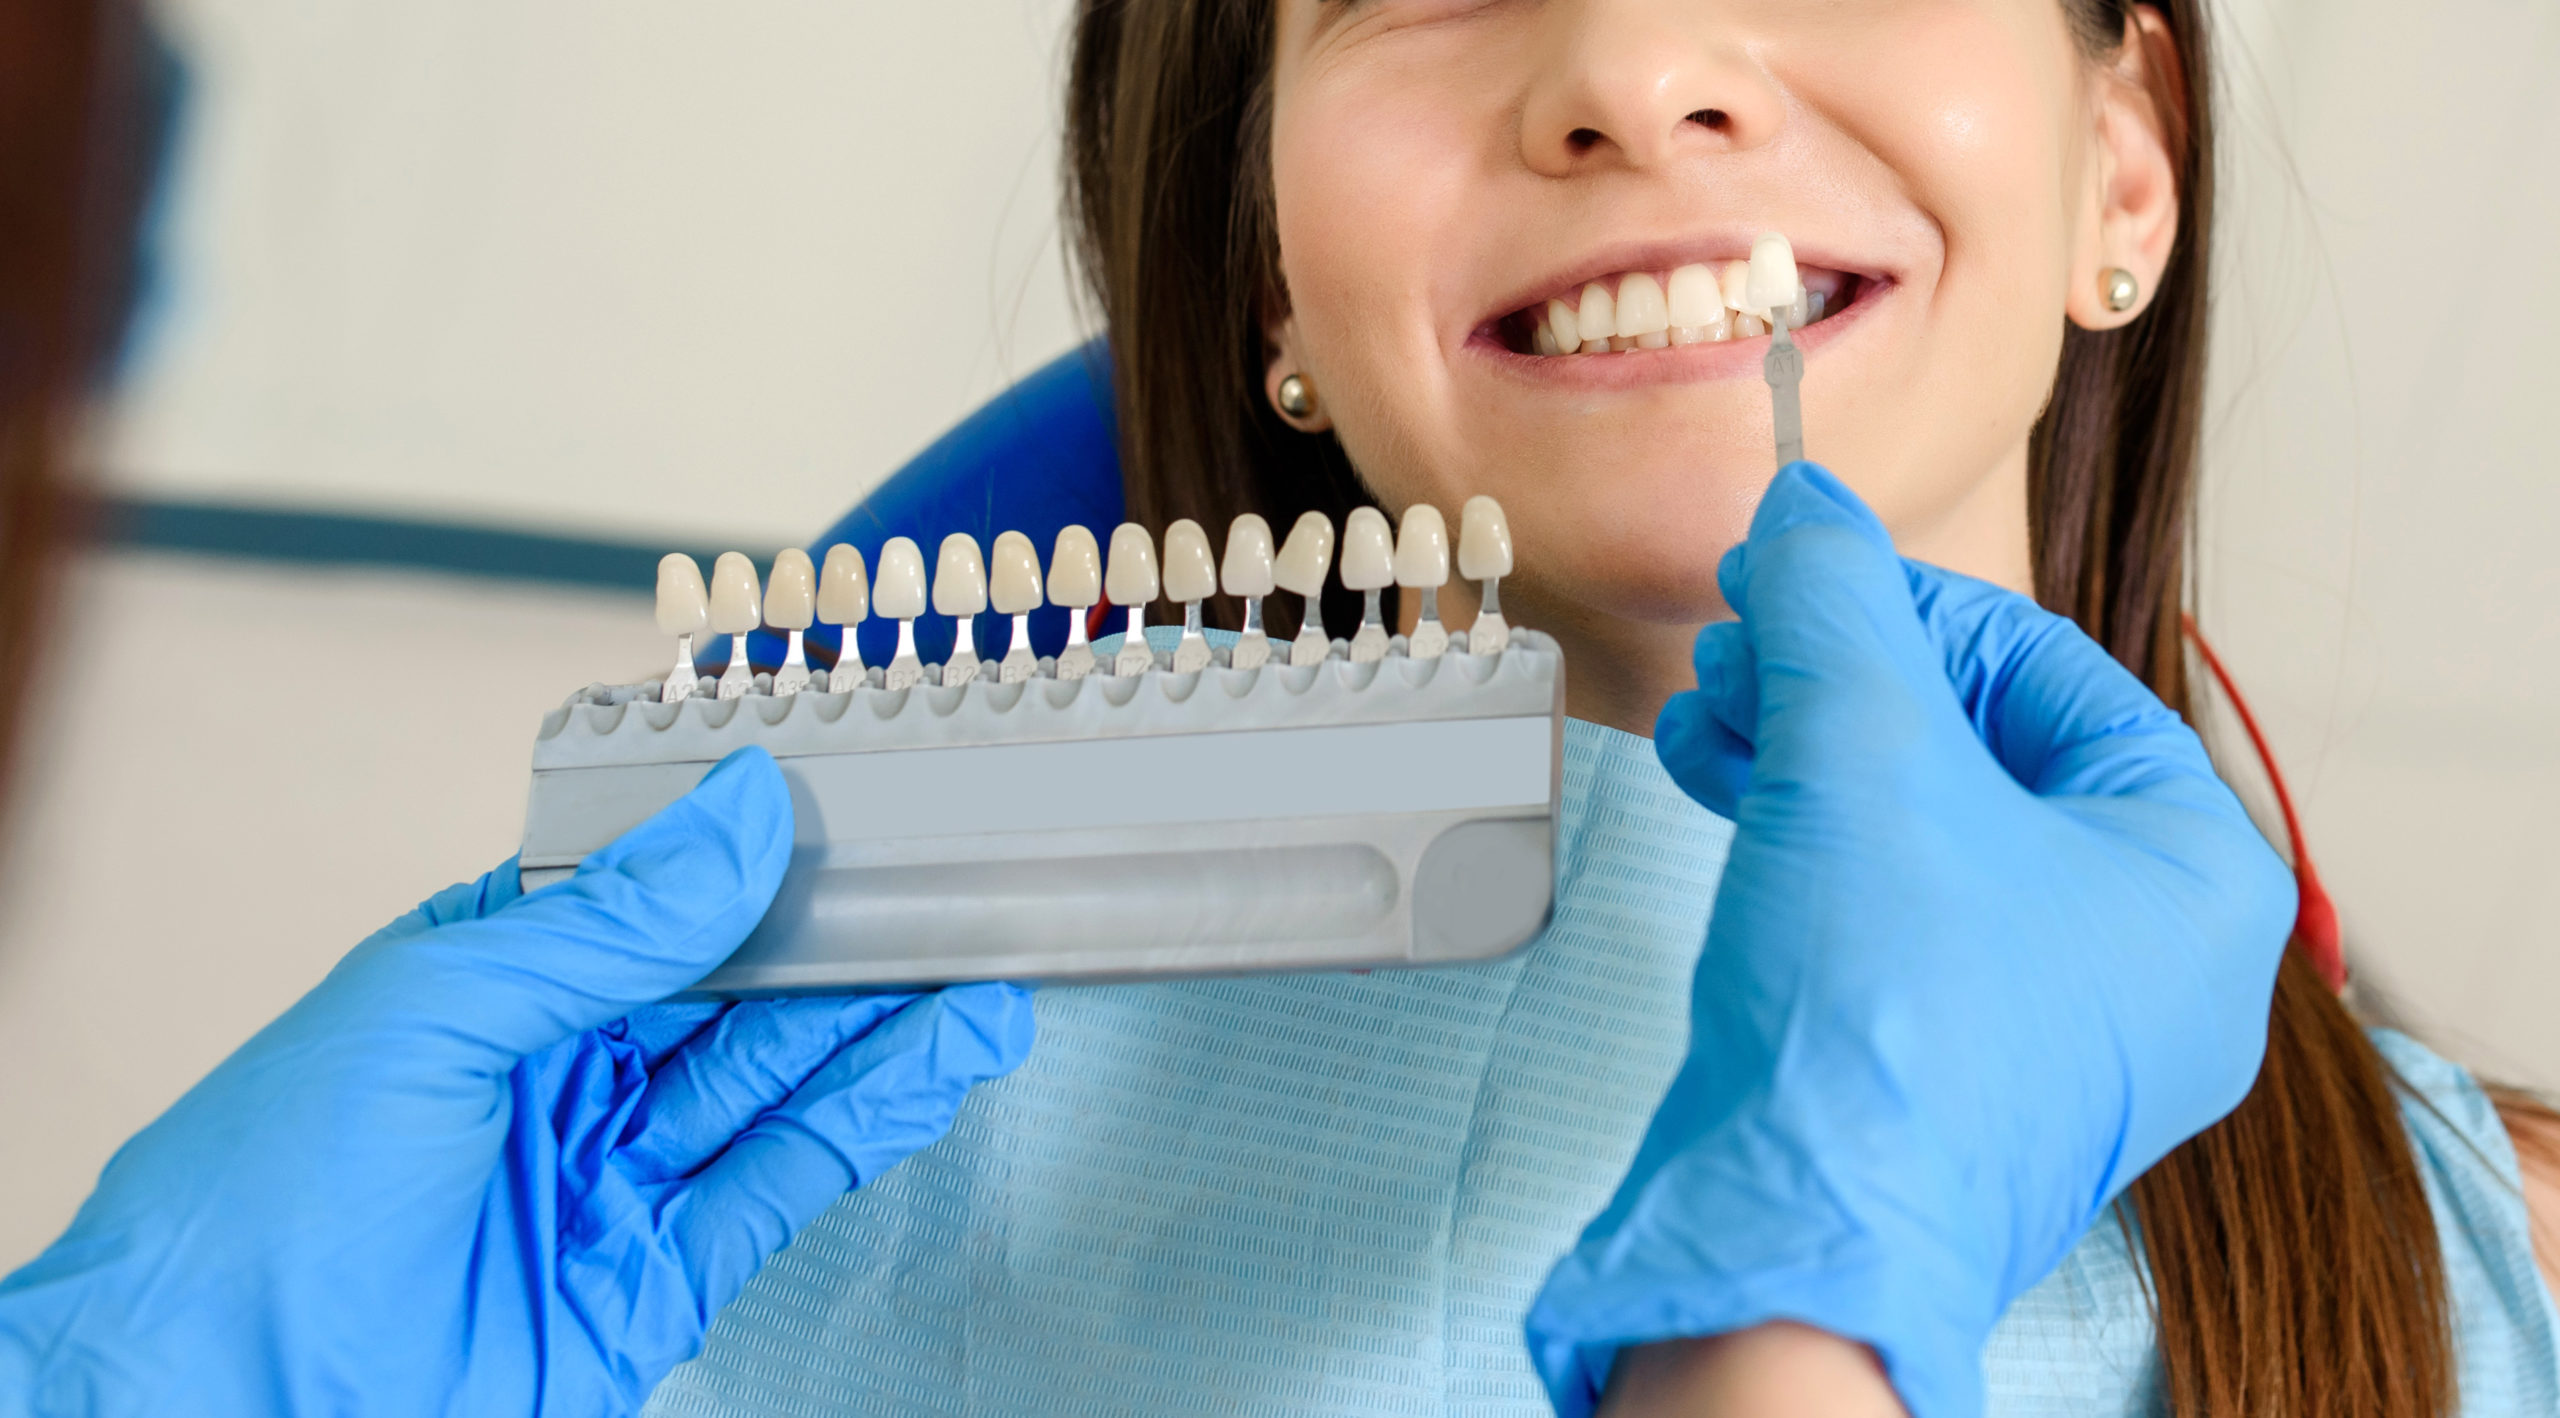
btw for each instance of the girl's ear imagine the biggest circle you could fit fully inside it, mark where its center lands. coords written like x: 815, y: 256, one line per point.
x: 1287, y: 383
x: 2129, y: 219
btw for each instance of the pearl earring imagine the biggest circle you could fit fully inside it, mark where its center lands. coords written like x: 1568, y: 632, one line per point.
x: 1295, y: 397
x: 2120, y: 288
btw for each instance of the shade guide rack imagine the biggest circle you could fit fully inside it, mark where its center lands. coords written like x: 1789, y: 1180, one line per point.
x: 1180, y: 819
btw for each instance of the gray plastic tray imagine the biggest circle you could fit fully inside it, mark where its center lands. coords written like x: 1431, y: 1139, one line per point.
x: 1327, y: 816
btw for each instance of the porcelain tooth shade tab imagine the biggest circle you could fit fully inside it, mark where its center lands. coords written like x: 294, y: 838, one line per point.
x: 791, y: 603
x: 1130, y: 580
x: 1772, y: 278
x: 1369, y: 567
x: 1368, y: 550
x: 1484, y: 540
x: 737, y: 606
x: 960, y: 592
x: 1305, y: 557
x: 1075, y: 581
x: 1245, y: 573
x: 844, y: 598
x: 1300, y: 570
x: 1422, y: 564
x: 737, y: 603
x: 684, y: 609
x: 1013, y: 587
x: 1190, y: 569
x: 844, y: 587
x: 898, y: 592
x: 1013, y: 575
x: 1484, y: 557
x: 1771, y: 282
x: 1190, y: 577
x: 1075, y: 569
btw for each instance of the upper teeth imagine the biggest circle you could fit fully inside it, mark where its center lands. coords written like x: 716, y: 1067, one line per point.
x: 1694, y: 304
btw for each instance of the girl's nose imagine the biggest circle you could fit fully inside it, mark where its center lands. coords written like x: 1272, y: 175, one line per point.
x: 1640, y: 84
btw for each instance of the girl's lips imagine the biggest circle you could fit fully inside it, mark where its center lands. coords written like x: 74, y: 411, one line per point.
x: 1674, y: 364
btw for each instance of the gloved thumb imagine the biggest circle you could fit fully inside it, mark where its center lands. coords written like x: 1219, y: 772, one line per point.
x: 646, y: 916
x: 1838, y: 663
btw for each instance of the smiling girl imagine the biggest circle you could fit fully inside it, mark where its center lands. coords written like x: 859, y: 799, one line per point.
x: 2006, y: 205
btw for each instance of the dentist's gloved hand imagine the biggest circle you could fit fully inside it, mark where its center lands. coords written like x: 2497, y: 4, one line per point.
x: 1992, y: 939
x: 477, y: 1171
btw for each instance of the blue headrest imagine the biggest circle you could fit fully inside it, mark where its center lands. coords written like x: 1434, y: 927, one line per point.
x: 1040, y: 455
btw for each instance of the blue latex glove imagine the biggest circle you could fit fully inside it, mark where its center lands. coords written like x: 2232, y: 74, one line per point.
x: 471, y: 1173
x: 1992, y: 939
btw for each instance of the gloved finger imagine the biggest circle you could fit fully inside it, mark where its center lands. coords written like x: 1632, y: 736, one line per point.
x: 756, y: 1056
x: 1709, y: 761
x: 645, y: 916
x: 1728, y: 676
x: 2059, y: 712
x: 1842, y: 664
x: 878, y: 1099
x: 462, y: 901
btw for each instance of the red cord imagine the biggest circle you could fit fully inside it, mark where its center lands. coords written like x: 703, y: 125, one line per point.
x: 2315, y: 920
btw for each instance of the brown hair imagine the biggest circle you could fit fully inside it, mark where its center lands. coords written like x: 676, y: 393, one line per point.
x: 2293, y: 1259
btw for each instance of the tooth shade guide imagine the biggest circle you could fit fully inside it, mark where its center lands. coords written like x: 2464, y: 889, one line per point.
x: 683, y: 609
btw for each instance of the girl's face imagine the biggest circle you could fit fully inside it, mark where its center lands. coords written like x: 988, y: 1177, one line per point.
x: 1955, y: 176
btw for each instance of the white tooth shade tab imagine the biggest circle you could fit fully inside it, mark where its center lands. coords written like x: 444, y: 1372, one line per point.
x: 1771, y: 282
x: 1075, y: 569
x: 791, y: 596
x: 1642, y: 309
x: 1598, y: 318
x: 1484, y: 540
x: 898, y: 591
x: 844, y: 587
x: 1190, y: 569
x: 1422, y: 547
x: 1130, y: 579
x: 684, y: 603
x: 1567, y: 325
x: 1246, y: 571
x: 1305, y: 556
x: 959, y: 577
x: 1013, y: 575
x: 1696, y: 302
x: 737, y: 606
x: 1368, y: 550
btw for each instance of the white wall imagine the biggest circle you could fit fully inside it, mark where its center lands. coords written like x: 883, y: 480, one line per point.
x: 2383, y: 513
x: 630, y: 267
